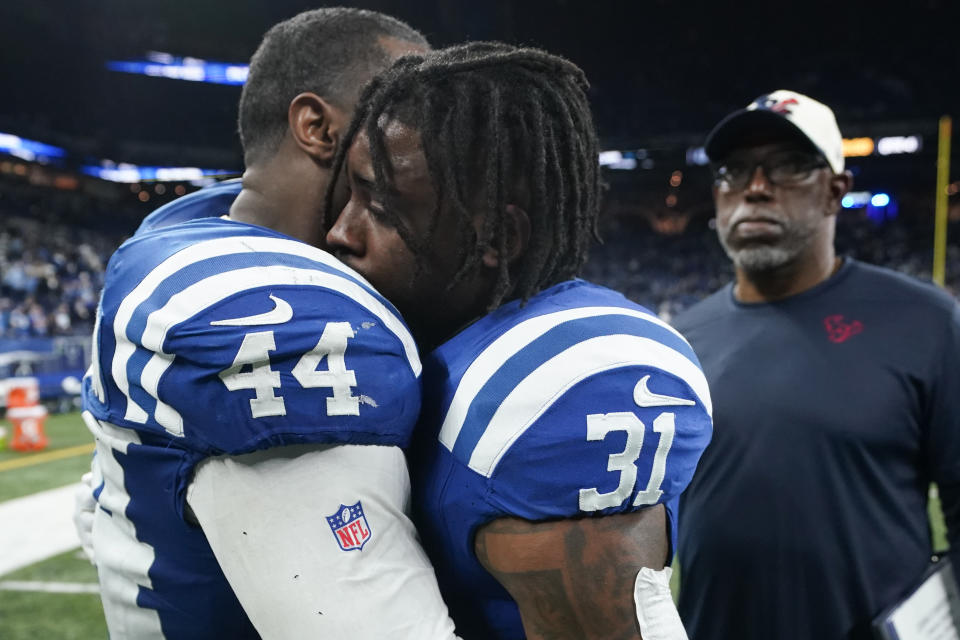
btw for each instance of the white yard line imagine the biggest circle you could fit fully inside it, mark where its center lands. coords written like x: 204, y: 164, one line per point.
x: 49, y: 587
x: 36, y: 527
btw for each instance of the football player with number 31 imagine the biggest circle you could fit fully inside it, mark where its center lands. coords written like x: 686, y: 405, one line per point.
x: 561, y: 421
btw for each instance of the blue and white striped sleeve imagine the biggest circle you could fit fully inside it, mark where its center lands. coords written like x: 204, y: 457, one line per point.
x: 581, y: 411
x: 244, y: 342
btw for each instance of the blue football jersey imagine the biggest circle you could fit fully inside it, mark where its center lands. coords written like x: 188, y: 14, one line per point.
x: 577, y: 403
x: 217, y: 337
x: 211, y: 201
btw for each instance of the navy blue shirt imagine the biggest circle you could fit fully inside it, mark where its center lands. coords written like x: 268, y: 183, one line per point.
x: 833, y: 411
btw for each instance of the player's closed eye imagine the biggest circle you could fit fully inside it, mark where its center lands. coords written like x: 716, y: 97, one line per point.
x: 382, y: 215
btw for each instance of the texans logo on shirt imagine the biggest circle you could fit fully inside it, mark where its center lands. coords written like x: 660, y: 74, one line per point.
x: 350, y: 527
x: 839, y: 330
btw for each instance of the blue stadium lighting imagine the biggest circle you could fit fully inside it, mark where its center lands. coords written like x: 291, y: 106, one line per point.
x: 856, y: 199
x: 164, y: 65
x: 697, y: 156
x: 130, y: 173
x: 608, y: 158
x: 29, y: 150
x: 882, y: 208
x: 880, y: 200
x: 625, y: 160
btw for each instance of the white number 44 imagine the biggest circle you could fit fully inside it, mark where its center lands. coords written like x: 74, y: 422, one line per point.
x: 255, y: 353
x: 598, y: 426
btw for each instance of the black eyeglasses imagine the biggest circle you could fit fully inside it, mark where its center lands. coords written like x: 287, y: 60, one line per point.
x: 780, y: 168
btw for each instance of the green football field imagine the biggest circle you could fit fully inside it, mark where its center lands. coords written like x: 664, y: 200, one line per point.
x: 32, y: 604
x: 25, y: 612
x: 62, y: 462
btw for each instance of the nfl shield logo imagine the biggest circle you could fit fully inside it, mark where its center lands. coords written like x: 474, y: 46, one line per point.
x: 350, y: 527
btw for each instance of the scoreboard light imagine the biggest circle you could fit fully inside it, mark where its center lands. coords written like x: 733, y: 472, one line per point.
x: 857, y: 147
x: 886, y: 146
x: 892, y: 145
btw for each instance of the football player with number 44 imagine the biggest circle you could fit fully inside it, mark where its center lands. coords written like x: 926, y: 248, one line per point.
x: 250, y: 394
x: 560, y: 421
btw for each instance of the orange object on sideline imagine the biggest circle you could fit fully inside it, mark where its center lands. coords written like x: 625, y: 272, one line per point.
x: 23, y: 395
x: 28, y: 433
x: 28, y: 417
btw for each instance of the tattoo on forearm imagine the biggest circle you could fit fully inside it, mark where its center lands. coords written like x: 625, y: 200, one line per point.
x: 573, y: 578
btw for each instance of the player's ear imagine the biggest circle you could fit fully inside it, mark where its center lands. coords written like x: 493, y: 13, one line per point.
x: 316, y: 126
x: 517, y: 230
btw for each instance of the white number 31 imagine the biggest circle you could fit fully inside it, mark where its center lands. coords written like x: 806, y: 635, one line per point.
x: 255, y: 353
x: 598, y: 426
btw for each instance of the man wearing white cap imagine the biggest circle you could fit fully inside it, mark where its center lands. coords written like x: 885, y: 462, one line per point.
x: 836, y: 389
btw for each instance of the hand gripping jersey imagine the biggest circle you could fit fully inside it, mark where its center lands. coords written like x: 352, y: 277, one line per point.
x: 216, y: 337
x: 579, y: 403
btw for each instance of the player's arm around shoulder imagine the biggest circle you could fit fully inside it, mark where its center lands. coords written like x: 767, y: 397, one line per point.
x: 316, y: 542
x: 306, y: 507
x: 585, y: 578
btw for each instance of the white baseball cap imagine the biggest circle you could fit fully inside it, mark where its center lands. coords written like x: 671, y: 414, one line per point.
x: 786, y: 111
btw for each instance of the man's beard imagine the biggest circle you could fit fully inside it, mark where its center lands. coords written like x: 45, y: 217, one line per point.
x: 759, y: 257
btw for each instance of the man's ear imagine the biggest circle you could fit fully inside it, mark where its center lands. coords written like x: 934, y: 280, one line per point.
x: 840, y: 185
x: 517, y: 230
x: 316, y: 126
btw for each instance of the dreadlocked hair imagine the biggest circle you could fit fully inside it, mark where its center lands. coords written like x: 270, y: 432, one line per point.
x: 498, y: 125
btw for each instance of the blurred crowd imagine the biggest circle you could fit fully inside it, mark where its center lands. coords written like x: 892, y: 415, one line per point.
x: 51, y: 266
x: 54, y: 247
x: 51, y: 278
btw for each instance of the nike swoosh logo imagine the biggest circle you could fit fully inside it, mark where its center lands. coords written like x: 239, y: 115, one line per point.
x: 281, y: 312
x: 646, y: 398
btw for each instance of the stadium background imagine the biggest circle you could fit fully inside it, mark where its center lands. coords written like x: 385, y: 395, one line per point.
x: 89, y: 145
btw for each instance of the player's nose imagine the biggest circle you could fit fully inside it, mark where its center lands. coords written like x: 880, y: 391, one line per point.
x: 347, y: 235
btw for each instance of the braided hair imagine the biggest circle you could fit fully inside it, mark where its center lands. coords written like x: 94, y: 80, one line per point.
x: 498, y: 125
